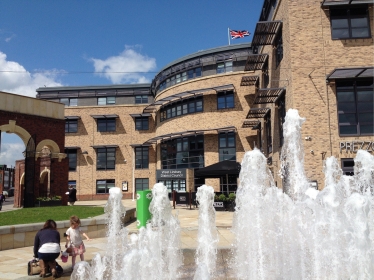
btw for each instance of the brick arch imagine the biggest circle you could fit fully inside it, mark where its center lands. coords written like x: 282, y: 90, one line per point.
x: 19, y: 131
x: 52, y: 145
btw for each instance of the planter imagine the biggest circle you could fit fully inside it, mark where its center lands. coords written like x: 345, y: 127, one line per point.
x: 49, y: 203
x: 219, y: 206
x: 231, y: 206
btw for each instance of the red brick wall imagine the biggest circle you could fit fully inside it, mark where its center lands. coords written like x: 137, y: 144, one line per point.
x: 44, y: 128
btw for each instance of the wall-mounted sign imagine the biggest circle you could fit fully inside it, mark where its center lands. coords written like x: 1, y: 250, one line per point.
x: 167, y: 174
x: 124, y: 186
x: 354, y: 146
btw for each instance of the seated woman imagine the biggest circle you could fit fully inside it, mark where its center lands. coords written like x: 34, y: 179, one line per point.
x: 47, y: 247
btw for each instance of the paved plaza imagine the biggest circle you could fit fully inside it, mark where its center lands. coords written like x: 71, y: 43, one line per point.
x: 13, y: 263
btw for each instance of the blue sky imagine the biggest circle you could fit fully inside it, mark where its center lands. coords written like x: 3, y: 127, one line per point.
x: 77, y: 43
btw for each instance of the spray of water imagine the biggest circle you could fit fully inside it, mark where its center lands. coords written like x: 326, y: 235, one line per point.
x: 153, y: 253
x: 322, y: 235
x: 206, y: 253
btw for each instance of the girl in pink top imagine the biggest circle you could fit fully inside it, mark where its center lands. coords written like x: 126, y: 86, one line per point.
x: 74, y: 240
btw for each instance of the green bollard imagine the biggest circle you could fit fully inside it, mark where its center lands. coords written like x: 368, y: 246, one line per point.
x: 143, y: 200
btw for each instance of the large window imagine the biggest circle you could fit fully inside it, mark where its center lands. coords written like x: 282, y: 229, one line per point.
x: 184, y: 107
x: 180, y: 77
x: 106, y: 158
x: 278, y: 50
x: 227, y: 146
x: 71, y: 126
x: 69, y: 101
x: 141, y: 157
x: 186, y: 152
x: 348, y: 166
x: 106, y: 100
x: 72, y: 156
x: 141, y: 99
x: 103, y: 186
x: 281, y: 118
x: 141, y: 184
x: 355, y: 107
x: 141, y: 123
x: 269, y: 139
x: 350, y: 22
x: 224, y: 67
x: 225, y: 99
x: 105, y: 125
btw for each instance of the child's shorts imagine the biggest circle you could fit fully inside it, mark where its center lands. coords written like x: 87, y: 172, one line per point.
x: 78, y: 250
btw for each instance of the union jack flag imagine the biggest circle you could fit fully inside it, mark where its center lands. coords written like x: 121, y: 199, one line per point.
x: 235, y: 34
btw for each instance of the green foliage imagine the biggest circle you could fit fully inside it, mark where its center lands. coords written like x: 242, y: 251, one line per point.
x: 232, y: 197
x: 41, y: 214
x: 46, y: 198
x: 222, y: 197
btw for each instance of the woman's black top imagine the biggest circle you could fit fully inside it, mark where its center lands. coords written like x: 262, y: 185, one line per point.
x: 43, y: 236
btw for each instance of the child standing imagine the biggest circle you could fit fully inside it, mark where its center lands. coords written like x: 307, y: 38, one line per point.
x: 73, y: 236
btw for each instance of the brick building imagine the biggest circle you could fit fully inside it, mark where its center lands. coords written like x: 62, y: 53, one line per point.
x: 202, y: 112
x: 40, y: 125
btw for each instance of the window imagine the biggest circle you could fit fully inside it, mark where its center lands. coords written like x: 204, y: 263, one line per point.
x: 225, y: 100
x: 141, y: 123
x: 186, y: 152
x: 103, y: 186
x: 72, y: 183
x: 106, y: 158
x: 355, y: 107
x: 141, y: 99
x: 71, y: 126
x: 278, y: 50
x: 141, y: 184
x: 350, y: 22
x: 69, y: 101
x: 184, y: 107
x: 72, y: 156
x: 281, y: 118
x: 348, y: 166
x: 227, y: 146
x: 224, y: 67
x: 141, y: 157
x: 106, y: 100
x: 269, y: 139
x: 106, y: 125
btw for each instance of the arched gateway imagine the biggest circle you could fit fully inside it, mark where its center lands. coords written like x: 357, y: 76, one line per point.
x: 41, y: 126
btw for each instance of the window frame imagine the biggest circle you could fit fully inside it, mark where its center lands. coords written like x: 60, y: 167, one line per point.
x: 111, y: 182
x: 187, y: 106
x: 142, y: 156
x: 107, y: 121
x: 109, y: 100
x: 141, y: 123
x: 226, y: 68
x: 72, y: 155
x: 70, y: 102
x: 347, y: 170
x: 278, y: 50
x: 143, y: 182
x: 224, y: 95
x: 281, y: 118
x: 339, y: 88
x: 102, y: 154
x: 269, y: 138
x: 69, y: 125
x: 141, y: 99
x: 225, y: 137
x: 349, y: 17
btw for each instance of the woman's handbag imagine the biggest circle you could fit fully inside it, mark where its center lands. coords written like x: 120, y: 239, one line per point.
x: 33, y: 267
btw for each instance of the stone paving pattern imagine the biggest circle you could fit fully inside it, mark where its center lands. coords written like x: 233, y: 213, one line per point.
x: 13, y: 263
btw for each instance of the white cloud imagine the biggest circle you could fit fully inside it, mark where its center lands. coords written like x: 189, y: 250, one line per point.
x: 128, y: 67
x: 9, y: 38
x: 15, y: 79
x: 10, y: 152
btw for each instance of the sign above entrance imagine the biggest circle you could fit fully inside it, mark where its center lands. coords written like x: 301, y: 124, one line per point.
x: 171, y: 174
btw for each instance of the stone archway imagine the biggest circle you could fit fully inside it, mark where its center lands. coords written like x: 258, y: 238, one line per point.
x: 19, y: 131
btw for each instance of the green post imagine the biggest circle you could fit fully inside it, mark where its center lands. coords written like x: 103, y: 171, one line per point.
x: 143, y: 200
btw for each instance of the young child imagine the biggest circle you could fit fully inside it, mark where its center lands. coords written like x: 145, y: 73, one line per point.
x: 74, y: 240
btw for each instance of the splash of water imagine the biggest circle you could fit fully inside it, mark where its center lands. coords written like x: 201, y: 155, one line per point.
x: 153, y: 253
x: 323, y: 235
x: 207, y: 236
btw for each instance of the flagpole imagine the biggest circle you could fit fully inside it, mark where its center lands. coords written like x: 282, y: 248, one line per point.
x: 228, y: 34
